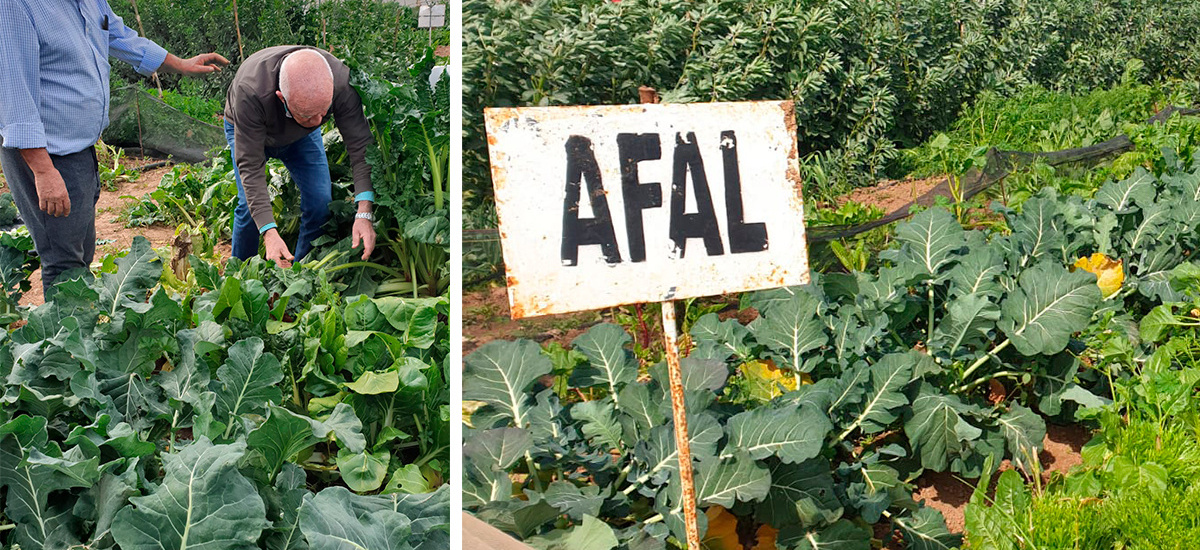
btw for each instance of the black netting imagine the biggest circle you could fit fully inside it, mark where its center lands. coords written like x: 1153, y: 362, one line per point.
x: 138, y: 119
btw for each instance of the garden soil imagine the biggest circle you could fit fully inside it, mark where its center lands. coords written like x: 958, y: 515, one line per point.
x: 111, y: 233
x: 949, y: 494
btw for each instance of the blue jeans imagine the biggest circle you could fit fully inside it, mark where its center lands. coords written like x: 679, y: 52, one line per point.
x: 306, y: 162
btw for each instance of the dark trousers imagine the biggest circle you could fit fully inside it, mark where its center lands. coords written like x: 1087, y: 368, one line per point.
x: 62, y: 243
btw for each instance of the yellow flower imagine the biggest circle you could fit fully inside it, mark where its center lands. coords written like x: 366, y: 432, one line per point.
x: 1109, y: 272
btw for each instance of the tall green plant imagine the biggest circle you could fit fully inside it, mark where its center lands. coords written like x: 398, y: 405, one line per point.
x: 411, y: 126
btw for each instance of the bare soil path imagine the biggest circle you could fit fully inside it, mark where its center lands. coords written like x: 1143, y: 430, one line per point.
x: 111, y: 234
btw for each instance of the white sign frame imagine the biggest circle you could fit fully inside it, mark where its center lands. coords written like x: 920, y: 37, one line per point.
x: 530, y: 148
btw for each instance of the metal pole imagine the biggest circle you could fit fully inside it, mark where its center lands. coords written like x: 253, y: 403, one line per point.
x: 679, y: 413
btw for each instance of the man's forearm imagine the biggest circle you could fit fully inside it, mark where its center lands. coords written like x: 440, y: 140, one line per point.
x: 193, y: 66
x: 172, y: 64
x: 38, y: 160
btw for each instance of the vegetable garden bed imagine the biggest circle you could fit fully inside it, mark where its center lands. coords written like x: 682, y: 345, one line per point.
x: 812, y: 422
x: 254, y: 406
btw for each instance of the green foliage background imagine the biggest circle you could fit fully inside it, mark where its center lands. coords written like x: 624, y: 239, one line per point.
x: 368, y: 31
x: 867, y: 76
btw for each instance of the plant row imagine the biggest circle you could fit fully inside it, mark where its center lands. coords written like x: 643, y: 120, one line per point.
x: 170, y: 404
x: 815, y: 418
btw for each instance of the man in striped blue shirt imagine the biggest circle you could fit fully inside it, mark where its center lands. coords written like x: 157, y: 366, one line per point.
x: 54, y: 97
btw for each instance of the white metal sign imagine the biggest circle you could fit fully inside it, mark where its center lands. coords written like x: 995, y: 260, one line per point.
x: 610, y: 205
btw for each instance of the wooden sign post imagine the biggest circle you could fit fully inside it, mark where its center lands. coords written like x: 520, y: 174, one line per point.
x: 611, y: 205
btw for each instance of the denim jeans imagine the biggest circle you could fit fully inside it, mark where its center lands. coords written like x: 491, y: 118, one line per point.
x: 63, y: 243
x: 306, y: 162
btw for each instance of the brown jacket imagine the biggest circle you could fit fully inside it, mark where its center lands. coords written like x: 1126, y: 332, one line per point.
x: 259, y: 121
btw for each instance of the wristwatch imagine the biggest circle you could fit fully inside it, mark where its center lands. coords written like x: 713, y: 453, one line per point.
x: 369, y: 216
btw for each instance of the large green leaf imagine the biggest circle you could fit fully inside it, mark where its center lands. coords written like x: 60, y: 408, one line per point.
x: 937, y: 430
x: 1049, y: 305
x: 592, y: 535
x: 203, y: 502
x: 931, y: 239
x: 428, y: 512
x: 1024, y: 430
x: 793, y: 433
x: 497, y: 450
x: 331, y: 521
x: 872, y: 487
x: 853, y: 334
x: 800, y: 494
x: 104, y: 500
x: 610, y: 364
x: 1039, y: 229
x: 345, y: 425
x: 1121, y: 196
x: 574, y: 501
x: 642, y: 408
x: 724, y: 482
x: 968, y: 319
x: 30, y: 476
x: 247, y: 381
x: 976, y: 273
x: 790, y: 329
x: 282, y: 436
x: 137, y: 272
x: 286, y: 497
x: 843, y: 535
x: 500, y: 373
x: 363, y: 472
x: 717, y: 339
x: 660, y: 455
x: 926, y: 530
x: 415, y: 318
x: 1156, y: 228
x: 882, y: 396
x: 598, y: 423
x: 699, y: 375
x: 191, y: 374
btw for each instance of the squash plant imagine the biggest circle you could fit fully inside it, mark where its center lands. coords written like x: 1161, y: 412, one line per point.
x: 891, y: 372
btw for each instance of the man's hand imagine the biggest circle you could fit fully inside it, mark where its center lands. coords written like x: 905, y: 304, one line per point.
x: 194, y: 66
x: 51, y: 189
x: 277, y: 250
x: 363, y: 231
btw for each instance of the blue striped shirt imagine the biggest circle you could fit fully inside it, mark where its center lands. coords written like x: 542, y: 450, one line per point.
x: 54, y: 71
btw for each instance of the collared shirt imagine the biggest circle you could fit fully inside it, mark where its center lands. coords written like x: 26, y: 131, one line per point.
x: 54, y: 71
x: 259, y: 121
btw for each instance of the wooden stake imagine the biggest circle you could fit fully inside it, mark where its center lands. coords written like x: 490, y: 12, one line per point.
x: 154, y: 75
x: 683, y: 444
x: 238, y: 27
x: 679, y: 413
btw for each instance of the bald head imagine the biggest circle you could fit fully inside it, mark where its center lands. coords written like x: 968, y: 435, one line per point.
x: 306, y: 85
